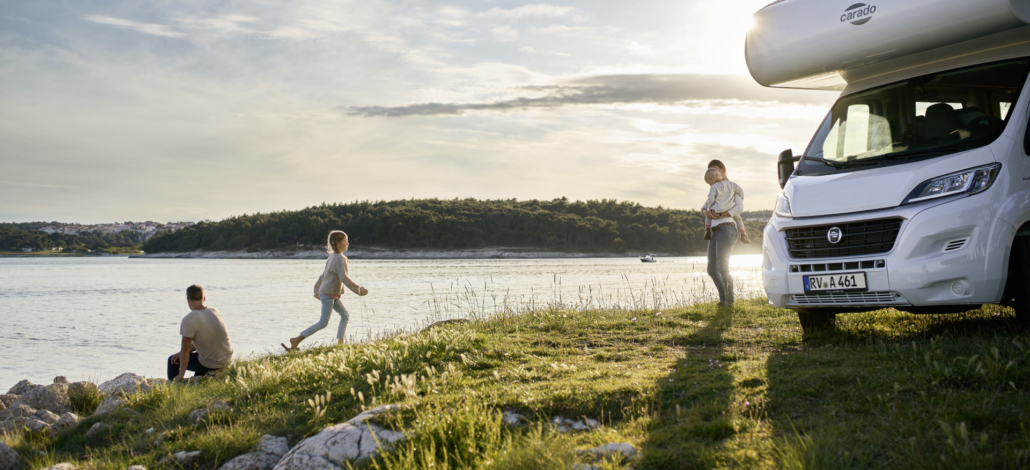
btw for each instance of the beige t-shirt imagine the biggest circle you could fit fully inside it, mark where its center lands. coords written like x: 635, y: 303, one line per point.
x: 209, y: 337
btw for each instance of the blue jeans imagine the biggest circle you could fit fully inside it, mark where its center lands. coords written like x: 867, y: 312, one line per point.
x: 720, y: 247
x: 328, y: 305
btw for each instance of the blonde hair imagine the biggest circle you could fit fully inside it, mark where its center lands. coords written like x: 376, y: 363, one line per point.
x: 713, y: 176
x: 334, y: 237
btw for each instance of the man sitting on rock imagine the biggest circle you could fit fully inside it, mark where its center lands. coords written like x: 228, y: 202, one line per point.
x: 205, y: 342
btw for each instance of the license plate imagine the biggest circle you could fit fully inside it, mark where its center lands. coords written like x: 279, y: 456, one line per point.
x: 835, y: 282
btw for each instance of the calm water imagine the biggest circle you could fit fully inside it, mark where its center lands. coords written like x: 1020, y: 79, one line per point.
x: 94, y: 318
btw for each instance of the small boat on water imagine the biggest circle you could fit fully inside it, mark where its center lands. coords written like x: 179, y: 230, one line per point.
x: 648, y: 259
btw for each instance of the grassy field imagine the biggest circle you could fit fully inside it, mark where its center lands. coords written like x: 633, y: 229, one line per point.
x: 692, y: 387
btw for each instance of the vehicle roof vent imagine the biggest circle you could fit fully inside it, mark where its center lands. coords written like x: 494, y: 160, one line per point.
x: 955, y: 244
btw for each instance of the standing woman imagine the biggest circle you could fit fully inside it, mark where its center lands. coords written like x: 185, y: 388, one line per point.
x: 720, y: 247
x: 329, y: 288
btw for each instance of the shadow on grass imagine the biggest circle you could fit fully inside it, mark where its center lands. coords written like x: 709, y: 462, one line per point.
x: 888, y: 389
x: 690, y: 417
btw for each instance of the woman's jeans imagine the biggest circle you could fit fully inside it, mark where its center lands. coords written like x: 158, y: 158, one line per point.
x: 328, y: 305
x: 720, y: 247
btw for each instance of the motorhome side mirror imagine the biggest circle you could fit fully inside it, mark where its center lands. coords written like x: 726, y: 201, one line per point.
x: 785, y: 166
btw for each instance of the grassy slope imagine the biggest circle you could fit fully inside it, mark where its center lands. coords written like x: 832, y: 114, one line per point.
x: 886, y: 390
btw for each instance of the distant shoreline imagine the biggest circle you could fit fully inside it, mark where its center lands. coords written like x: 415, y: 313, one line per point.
x: 495, y: 253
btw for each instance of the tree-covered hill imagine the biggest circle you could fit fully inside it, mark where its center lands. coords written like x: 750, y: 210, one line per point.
x: 605, y: 225
x: 14, y: 237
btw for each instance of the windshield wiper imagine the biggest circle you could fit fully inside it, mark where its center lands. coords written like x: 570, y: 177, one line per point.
x: 836, y: 164
x: 909, y: 153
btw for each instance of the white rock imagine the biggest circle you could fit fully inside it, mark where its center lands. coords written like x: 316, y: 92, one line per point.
x: 9, y: 459
x: 512, y: 418
x: 137, y: 467
x: 613, y: 451
x: 62, y: 466
x: 126, y: 383
x: 253, y: 461
x: 97, y: 430
x: 272, y: 445
x: 186, y: 459
x: 199, y: 415
x: 149, y: 431
x: 52, y: 397
x: 564, y: 425
x: 354, y: 440
x: 109, y: 404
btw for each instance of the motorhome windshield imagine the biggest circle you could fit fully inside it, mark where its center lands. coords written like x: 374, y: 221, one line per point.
x: 923, y: 117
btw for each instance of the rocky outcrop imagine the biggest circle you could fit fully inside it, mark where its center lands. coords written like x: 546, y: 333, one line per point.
x: 21, y: 387
x: 352, y: 441
x: 67, y: 421
x: 63, y: 466
x: 269, y: 451
x: 53, y: 398
x: 9, y: 459
x: 564, y: 425
x: 60, y: 379
x: 125, y: 384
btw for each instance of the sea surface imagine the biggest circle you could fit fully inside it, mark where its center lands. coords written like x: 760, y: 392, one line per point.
x: 92, y: 318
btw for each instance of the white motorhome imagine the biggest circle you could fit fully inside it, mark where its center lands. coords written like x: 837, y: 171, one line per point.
x: 914, y: 192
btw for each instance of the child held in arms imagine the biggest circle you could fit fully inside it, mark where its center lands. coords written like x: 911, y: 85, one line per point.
x: 721, y: 198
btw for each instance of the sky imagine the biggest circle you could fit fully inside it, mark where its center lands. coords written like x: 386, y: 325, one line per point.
x: 193, y: 110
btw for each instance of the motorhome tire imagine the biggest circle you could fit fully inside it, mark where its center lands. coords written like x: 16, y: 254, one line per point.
x: 1019, y: 269
x: 813, y: 321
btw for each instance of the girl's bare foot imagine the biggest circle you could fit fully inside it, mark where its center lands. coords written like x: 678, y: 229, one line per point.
x: 294, y: 342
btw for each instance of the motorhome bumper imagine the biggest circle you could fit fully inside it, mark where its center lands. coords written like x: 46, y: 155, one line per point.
x: 942, y: 256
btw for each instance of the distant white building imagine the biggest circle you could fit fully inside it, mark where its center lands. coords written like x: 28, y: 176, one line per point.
x: 27, y: 249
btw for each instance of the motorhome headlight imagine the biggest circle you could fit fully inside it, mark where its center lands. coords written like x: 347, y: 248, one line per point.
x: 970, y: 181
x: 782, y: 207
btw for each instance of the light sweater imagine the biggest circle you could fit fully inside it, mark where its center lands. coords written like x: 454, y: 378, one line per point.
x: 735, y: 206
x: 334, y: 277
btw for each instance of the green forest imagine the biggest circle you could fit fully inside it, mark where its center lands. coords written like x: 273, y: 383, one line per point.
x: 14, y: 237
x: 559, y: 224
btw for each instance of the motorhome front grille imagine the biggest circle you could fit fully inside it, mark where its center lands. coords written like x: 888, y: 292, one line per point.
x: 855, y: 239
x: 846, y: 298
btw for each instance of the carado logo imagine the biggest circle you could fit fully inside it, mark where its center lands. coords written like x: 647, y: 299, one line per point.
x: 859, y: 13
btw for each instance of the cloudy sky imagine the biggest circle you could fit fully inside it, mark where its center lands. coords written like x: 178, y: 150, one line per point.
x: 189, y: 110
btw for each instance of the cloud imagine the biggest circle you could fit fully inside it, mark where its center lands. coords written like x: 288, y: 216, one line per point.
x: 505, y: 33
x: 535, y: 10
x: 527, y: 50
x: 145, y: 28
x: 660, y: 89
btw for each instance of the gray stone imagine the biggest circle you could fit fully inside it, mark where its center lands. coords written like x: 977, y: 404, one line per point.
x: 137, y: 467
x: 252, y: 461
x: 46, y: 416
x: 613, y: 451
x: 52, y: 398
x: 109, y: 404
x: 273, y: 445
x: 36, y: 425
x: 2, y: 406
x: 67, y: 421
x: 512, y: 418
x: 184, y: 459
x: 60, y: 379
x: 564, y: 425
x: 354, y: 440
x: 125, y: 384
x: 199, y: 415
x: 63, y: 466
x: 17, y: 411
x: 21, y: 387
x: 97, y: 430
x: 149, y: 431
x: 8, y: 399
x: 9, y: 459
